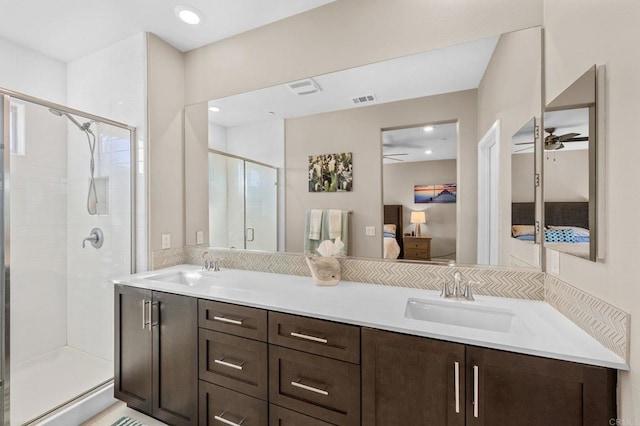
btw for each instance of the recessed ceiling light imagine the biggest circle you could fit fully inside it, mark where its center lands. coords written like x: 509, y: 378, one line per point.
x: 214, y: 109
x: 428, y: 152
x: 428, y: 128
x: 188, y: 14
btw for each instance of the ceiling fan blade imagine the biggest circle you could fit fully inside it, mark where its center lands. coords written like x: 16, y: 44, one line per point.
x: 387, y: 155
x: 391, y: 158
x: 580, y: 139
x: 524, y: 143
x: 567, y: 136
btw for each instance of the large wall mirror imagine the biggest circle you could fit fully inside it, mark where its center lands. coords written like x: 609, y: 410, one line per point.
x: 570, y: 175
x: 376, y: 113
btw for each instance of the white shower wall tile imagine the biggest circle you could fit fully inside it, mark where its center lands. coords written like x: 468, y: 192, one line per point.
x: 110, y: 83
x: 38, y: 220
x: 27, y: 71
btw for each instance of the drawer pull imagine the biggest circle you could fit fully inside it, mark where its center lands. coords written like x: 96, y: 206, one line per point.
x: 309, y: 388
x: 307, y: 337
x: 228, y: 320
x: 221, y: 419
x: 228, y: 364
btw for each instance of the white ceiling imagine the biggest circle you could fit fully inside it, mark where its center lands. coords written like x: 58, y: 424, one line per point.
x: 70, y: 29
x: 445, y: 70
x: 442, y: 142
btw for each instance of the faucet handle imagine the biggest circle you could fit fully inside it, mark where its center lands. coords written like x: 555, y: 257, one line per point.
x: 215, y: 264
x: 446, y: 290
x: 467, y: 292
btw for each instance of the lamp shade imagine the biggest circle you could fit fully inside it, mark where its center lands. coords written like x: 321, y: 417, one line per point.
x: 418, y: 217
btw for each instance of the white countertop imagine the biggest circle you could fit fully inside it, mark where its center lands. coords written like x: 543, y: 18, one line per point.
x: 543, y: 331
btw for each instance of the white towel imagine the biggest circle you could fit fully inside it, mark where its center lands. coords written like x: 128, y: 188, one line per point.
x: 335, y: 224
x: 315, y: 222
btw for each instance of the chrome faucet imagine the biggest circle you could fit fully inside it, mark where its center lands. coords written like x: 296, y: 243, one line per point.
x: 460, y: 288
x: 210, y: 264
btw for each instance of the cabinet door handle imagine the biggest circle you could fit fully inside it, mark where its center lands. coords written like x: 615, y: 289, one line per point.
x: 307, y: 337
x: 228, y: 320
x: 221, y: 419
x: 229, y: 364
x: 476, y: 402
x: 149, y: 315
x: 309, y: 388
x: 144, y: 314
x: 456, y: 384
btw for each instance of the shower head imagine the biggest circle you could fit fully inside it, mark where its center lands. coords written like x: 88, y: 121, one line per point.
x: 84, y: 127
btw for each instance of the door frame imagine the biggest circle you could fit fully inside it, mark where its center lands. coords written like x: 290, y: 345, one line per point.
x: 488, y: 191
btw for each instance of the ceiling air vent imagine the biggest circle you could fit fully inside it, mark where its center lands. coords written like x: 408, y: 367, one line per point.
x: 304, y: 87
x: 364, y: 99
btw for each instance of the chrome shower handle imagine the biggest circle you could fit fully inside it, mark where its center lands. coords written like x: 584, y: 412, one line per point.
x: 96, y: 238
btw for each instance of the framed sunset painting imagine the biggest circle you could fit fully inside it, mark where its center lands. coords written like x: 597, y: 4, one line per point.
x: 442, y: 193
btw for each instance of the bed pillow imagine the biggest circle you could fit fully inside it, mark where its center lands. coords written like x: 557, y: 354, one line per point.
x: 517, y: 230
x: 526, y: 237
x: 559, y: 236
x: 390, y: 228
x: 389, y: 235
x: 578, y: 231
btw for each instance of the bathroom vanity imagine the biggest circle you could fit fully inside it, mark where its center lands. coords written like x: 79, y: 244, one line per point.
x: 238, y: 347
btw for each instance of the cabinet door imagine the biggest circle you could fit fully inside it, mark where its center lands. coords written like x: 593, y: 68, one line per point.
x: 504, y: 388
x: 408, y: 380
x: 175, y: 358
x: 133, y: 347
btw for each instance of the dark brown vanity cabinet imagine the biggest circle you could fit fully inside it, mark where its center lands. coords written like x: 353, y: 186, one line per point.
x: 505, y: 388
x: 233, y: 364
x: 314, y: 370
x: 413, y: 380
x: 408, y: 380
x: 156, y: 359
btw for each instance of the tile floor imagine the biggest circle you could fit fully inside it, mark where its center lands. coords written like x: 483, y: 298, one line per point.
x: 36, y: 383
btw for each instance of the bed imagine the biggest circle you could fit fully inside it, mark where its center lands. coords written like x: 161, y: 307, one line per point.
x: 393, y: 227
x: 566, y: 225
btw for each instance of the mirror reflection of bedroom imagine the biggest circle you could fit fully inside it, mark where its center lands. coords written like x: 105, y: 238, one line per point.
x: 419, y: 192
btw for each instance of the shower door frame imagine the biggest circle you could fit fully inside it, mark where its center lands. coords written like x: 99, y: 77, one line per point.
x: 5, y: 285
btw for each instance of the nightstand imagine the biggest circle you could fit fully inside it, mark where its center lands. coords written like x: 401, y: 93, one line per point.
x: 417, y: 248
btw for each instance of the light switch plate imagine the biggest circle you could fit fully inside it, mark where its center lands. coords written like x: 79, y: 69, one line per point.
x: 166, y: 241
x: 199, y: 237
x: 370, y: 231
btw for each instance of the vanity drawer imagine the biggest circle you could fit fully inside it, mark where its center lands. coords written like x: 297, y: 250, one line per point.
x: 219, y: 406
x: 233, y: 319
x: 320, y: 387
x: 233, y: 362
x: 326, y: 338
x: 279, y: 416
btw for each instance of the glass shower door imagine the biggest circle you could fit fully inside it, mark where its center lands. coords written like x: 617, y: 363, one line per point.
x: 261, y: 207
x: 243, y: 203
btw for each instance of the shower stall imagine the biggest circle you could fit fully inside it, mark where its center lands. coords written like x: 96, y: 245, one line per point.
x: 67, y: 225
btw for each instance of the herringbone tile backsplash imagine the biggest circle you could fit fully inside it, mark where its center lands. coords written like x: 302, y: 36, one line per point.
x: 489, y: 281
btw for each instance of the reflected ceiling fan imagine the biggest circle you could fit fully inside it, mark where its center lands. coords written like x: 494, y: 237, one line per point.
x: 554, y: 142
x: 390, y: 156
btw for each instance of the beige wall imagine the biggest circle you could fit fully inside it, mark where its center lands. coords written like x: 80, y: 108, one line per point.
x: 511, y: 92
x: 165, y: 86
x: 398, y: 182
x: 578, y: 35
x: 566, y: 175
x: 522, y: 171
x: 358, y: 131
x: 344, y: 34
x: 196, y: 155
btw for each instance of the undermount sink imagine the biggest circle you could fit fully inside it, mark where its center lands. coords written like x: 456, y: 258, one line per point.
x: 461, y: 314
x: 190, y: 278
